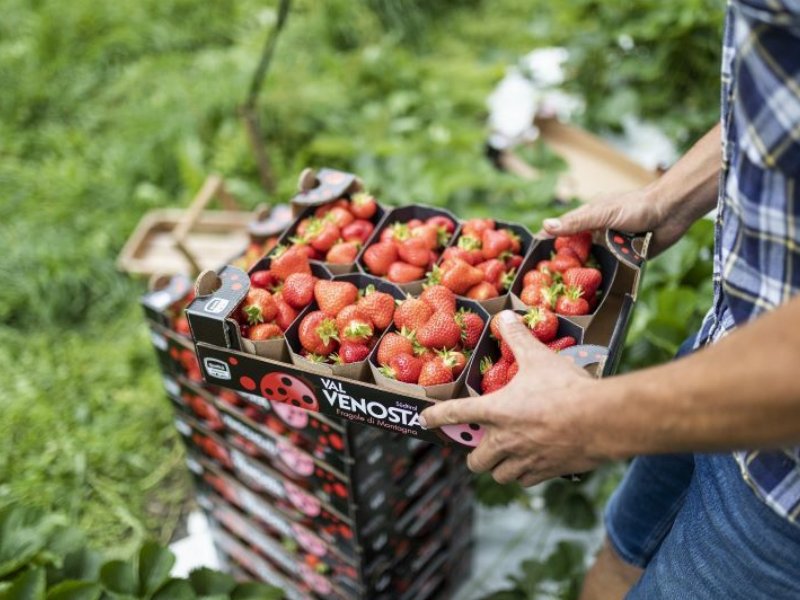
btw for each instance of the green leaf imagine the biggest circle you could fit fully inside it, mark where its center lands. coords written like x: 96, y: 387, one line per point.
x: 207, y: 582
x: 256, y: 591
x: 175, y: 589
x: 118, y: 576
x: 82, y: 564
x: 28, y: 585
x: 75, y: 590
x: 21, y: 538
x: 155, y: 564
x: 565, y: 561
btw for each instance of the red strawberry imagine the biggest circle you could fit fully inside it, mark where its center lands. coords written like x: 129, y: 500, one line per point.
x: 495, y: 375
x: 288, y: 261
x: 513, y: 262
x: 414, y: 251
x: 439, y: 331
x: 339, y: 216
x: 264, y: 331
x: 317, y: 333
x: 494, y: 243
x: 302, y: 227
x: 471, y: 328
x: 571, y: 303
x: 259, y: 306
x: 430, y: 235
x: 542, y: 322
x: 476, y: 227
x: 262, y: 279
x: 454, y: 252
x: 455, y: 360
x: 482, y: 291
x: 545, y: 266
x: 562, y: 343
x: 443, y: 223
x: 400, y: 272
x: 435, y: 372
x: 438, y: 297
x: 393, y: 343
x: 286, y: 313
x: 326, y: 208
x: 472, y: 247
x: 350, y: 352
x: 540, y: 277
x: 181, y: 326
x: 404, y: 367
x: 298, y: 289
x: 587, y: 279
x: 580, y: 243
x: 516, y: 242
x: 539, y: 295
x: 379, y: 257
x: 363, y: 206
x: 357, y: 231
x: 412, y: 313
x: 493, y: 271
x: 562, y: 262
x: 378, y: 306
x: 333, y: 296
x: 513, y: 369
x: 461, y: 276
x: 342, y: 253
x: 353, y: 325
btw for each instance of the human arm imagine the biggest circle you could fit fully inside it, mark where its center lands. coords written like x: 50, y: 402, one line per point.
x: 667, y: 207
x: 553, y: 418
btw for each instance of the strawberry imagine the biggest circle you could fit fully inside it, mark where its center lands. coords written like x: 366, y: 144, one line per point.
x: 545, y: 266
x: 412, y: 313
x: 302, y: 227
x: 454, y: 252
x: 363, y: 206
x: 513, y: 262
x: 516, y: 241
x: 264, y: 331
x: 387, y: 235
x: 482, y: 291
x: 287, y: 261
x: 435, y: 372
x: 378, y: 306
x: 323, y: 235
x: 342, y: 253
x: 442, y: 223
x: 461, y: 276
x: 455, y: 360
x: 333, y: 296
x: 562, y: 343
x: 307, y: 249
x: 476, y: 227
x: 439, y: 331
x: 353, y: 325
x: 400, y: 272
x: 493, y: 271
x: 513, y: 369
x: 414, y: 251
x: 438, y: 297
x: 494, y: 327
x: 262, y: 279
x: 495, y: 377
x: 587, y: 279
x: 339, y: 216
x: 495, y: 242
x: 580, y: 243
x: 350, y: 352
x: 542, y: 322
x: 259, y: 306
x: 357, y: 231
x: 298, y: 289
x: 326, y: 208
x: 539, y: 295
x: 403, y: 367
x: 286, y: 313
x: 393, y: 343
x: 540, y: 277
x: 506, y: 353
x: 379, y: 257
x: 571, y: 303
x: 563, y: 261
x: 471, y: 328
x: 317, y: 333
x: 471, y: 246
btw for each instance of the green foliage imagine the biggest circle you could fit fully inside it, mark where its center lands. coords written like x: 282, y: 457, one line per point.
x: 43, y: 558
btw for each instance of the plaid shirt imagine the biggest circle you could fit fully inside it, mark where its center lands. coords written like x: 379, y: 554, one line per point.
x: 757, y: 254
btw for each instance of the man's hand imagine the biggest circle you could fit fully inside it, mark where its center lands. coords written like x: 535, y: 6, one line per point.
x: 534, y: 426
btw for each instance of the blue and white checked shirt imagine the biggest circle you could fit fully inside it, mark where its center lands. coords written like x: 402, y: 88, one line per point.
x: 757, y: 254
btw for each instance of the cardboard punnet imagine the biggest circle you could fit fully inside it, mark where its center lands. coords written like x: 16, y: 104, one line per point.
x: 403, y: 214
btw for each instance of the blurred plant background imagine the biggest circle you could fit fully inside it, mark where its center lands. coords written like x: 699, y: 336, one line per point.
x: 114, y: 108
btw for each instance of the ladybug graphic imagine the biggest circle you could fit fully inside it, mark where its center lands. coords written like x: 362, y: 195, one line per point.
x: 280, y: 387
x: 467, y: 434
x: 291, y: 415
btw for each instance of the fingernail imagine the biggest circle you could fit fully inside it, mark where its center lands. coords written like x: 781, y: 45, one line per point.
x: 508, y: 316
x: 552, y: 224
x: 422, y: 422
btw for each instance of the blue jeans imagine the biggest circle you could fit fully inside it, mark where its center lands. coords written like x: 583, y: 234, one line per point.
x: 699, y: 531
